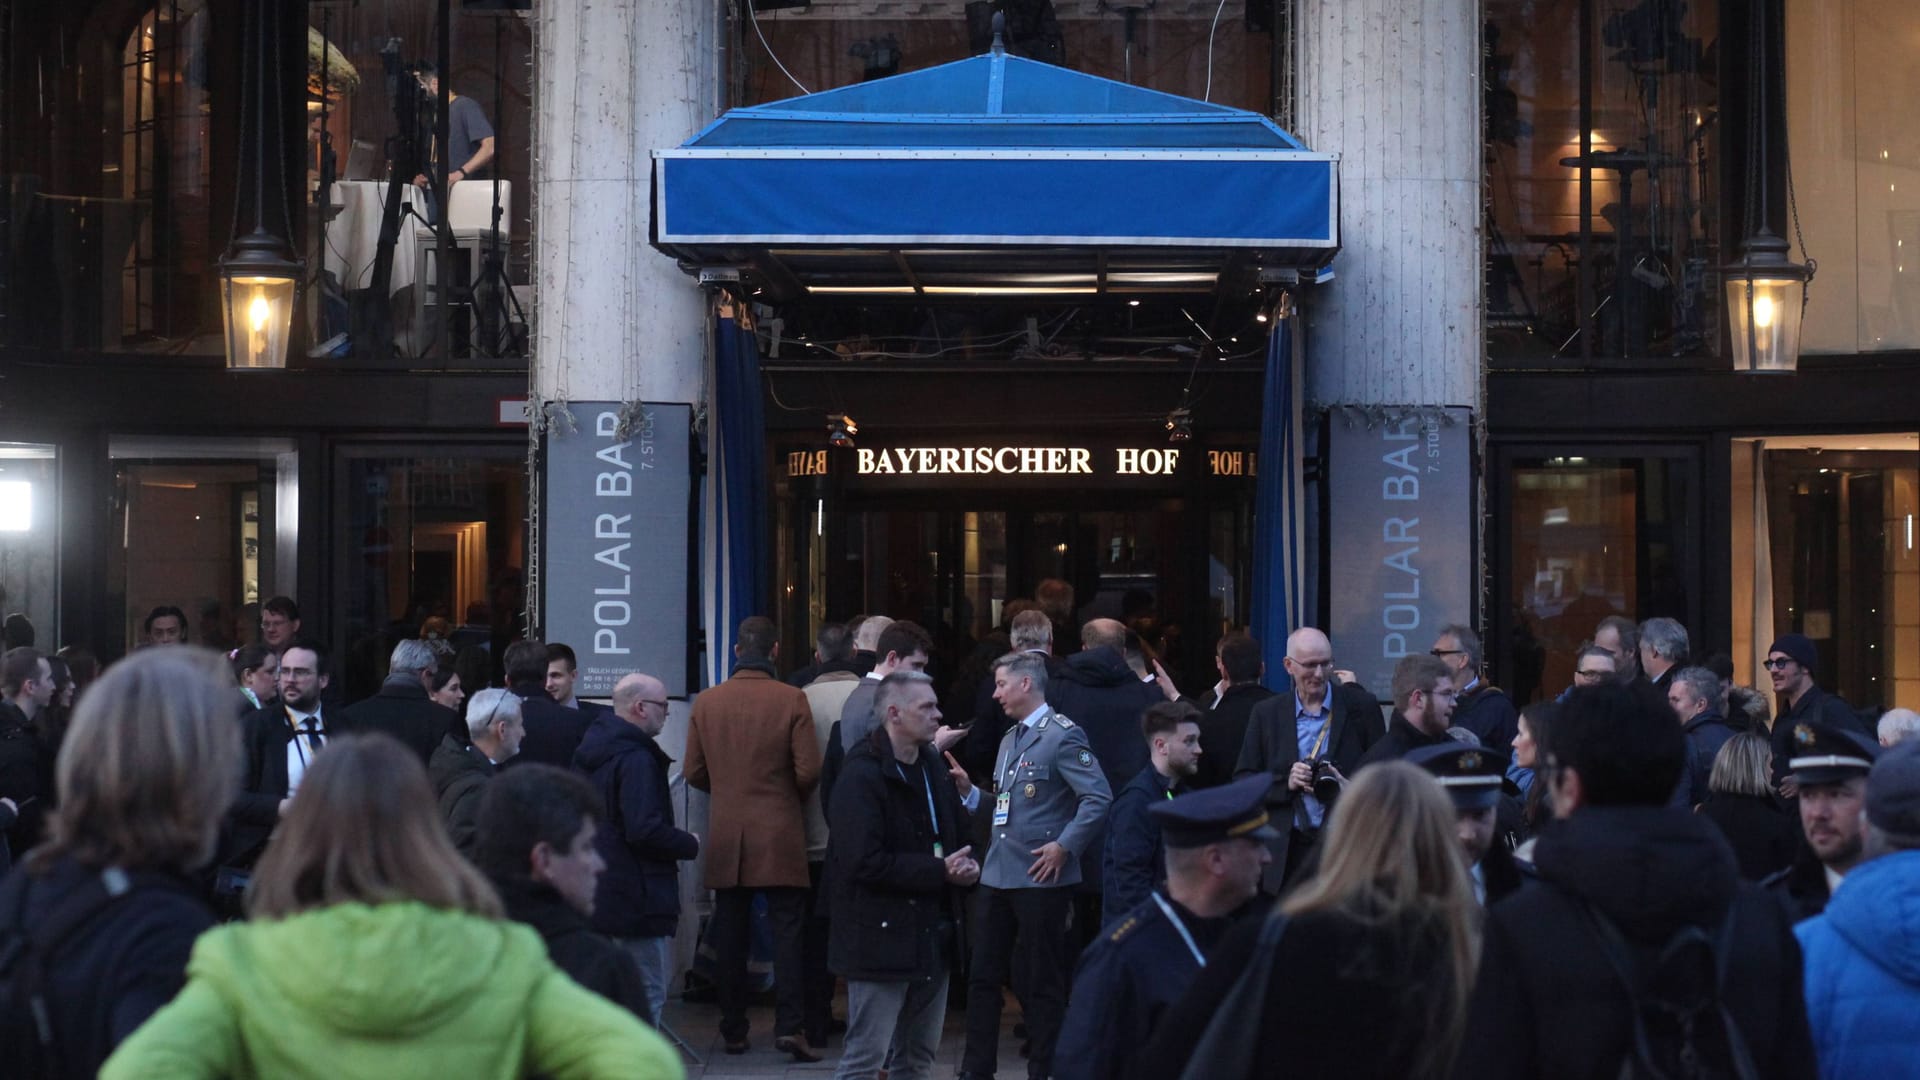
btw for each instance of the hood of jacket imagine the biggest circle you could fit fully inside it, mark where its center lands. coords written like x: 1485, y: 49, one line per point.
x: 1651, y: 870
x: 1877, y: 909
x: 1098, y: 667
x: 451, y: 760
x: 609, y: 738
x: 401, y: 970
x: 541, y: 907
x: 405, y: 685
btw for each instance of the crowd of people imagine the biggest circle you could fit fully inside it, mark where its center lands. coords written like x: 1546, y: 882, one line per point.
x: 218, y: 870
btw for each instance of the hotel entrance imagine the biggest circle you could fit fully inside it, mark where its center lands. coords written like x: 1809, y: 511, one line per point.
x: 1169, y: 554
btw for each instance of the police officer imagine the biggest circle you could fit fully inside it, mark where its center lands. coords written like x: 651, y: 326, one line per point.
x: 1217, y: 844
x: 1830, y: 766
x: 1049, y: 797
x: 1474, y: 779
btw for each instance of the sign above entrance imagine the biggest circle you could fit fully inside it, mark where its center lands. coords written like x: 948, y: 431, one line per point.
x: 1016, y: 464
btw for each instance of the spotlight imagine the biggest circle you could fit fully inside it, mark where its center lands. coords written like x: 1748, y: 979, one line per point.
x: 1180, y: 424
x: 1260, y: 317
x: 840, y: 430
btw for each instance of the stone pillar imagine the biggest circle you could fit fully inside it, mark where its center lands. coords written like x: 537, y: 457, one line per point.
x: 615, y: 79
x: 1393, y: 86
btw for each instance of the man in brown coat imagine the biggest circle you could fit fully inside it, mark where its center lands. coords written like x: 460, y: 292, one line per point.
x: 752, y: 745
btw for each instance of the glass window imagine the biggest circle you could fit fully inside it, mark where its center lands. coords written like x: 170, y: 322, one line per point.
x: 1609, y: 254
x: 1587, y: 538
x: 1856, y: 164
x: 1220, y: 52
x: 428, y: 536
x: 1834, y: 559
x: 30, y: 538
x: 205, y: 525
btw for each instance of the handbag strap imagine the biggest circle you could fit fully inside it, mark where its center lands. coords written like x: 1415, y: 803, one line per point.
x: 1231, y: 1040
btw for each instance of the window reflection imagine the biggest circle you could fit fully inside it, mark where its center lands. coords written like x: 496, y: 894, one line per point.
x: 1606, y: 251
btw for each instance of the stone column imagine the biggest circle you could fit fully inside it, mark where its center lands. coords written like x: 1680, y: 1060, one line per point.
x: 1393, y: 86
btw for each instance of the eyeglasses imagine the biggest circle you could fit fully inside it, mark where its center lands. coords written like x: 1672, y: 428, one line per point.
x: 1311, y: 665
x: 1446, y: 652
x: 297, y: 673
x: 1596, y: 675
x: 651, y: 701
x: 1776, y: 663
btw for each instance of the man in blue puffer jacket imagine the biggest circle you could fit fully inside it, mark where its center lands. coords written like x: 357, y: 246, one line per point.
x: 1863, y: 953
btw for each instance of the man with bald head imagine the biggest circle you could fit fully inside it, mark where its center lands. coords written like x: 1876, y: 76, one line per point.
x: 637, y: 902
x: 1288, y: 734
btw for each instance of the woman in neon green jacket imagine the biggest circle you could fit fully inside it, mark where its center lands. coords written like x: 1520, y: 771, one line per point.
x: 375, y: 951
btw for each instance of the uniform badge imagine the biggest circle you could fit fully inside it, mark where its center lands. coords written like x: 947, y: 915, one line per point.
x: 1086, y: 757
x: 1030, y: 791
x: 1803, y: 735
x: 1470, y: 762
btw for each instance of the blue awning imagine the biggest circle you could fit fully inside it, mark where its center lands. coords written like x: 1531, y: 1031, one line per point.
x: 995, y: 174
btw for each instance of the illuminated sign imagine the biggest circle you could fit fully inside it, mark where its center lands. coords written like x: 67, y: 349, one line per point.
x: 1032, y: 462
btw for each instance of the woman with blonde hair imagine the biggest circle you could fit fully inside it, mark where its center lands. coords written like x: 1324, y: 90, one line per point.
x: 1371, y: 973
x: 1761, y: 828
x: 374, y: 950
x: 149, y: 763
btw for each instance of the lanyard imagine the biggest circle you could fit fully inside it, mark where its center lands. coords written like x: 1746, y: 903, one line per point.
x: 933, y: 815
x: 1320, y: 741
x: 1180, y: 928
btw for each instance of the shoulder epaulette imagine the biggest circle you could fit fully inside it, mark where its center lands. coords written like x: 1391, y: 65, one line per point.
x: 1062, y: 720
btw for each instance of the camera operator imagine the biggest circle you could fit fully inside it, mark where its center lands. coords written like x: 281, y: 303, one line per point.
x: 469, y: 145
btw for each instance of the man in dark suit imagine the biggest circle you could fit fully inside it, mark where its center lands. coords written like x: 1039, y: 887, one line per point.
x: 553, y: 730
x: 1287, y: 734
x: 403, y: 708
x: 1228, y: 706
x: 280, y: 743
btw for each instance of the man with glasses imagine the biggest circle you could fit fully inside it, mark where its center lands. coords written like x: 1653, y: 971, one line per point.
x: 637, y: 902
x: 1288, y: 735
x: 1790, y: 663
x: 1422, y: 709
x: 460, y: 772
x: 1480, y: 706
x: 1593, y: 666
x: 281, y: 741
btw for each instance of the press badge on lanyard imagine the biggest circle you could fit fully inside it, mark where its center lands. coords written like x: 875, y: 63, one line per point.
x: 1002, y: 807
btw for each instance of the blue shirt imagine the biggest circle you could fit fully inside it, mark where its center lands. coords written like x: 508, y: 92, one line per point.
x: 1307, y: 729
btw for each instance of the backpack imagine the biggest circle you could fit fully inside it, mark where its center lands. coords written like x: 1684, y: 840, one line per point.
x: 1682, y: 1029
x: 28, y: 1047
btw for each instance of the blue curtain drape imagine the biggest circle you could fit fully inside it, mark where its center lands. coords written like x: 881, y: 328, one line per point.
x: 736, y: 579
x: 1277, y: 525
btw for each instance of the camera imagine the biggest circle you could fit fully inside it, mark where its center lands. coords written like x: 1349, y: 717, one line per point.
x: 1326, y: 780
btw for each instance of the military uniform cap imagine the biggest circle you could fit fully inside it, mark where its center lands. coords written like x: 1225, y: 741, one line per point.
x: 1471, y: 775
x: 1824, y: 754
x: 1210, y: 815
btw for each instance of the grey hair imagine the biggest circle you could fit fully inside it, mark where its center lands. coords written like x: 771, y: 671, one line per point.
x: 1876, y: 841
x: 488, y: 706
x: 1469, y: 643
x: 1702, y: 684
x: 869, y: 633
x: 1667, y: 638
x: 1031, y: 630
x: 1744, y: 766
x: 413, y: 656
x: 1590, y: 649
x: 894, y: 687
x: 1025, y: 665
x: 1897, y: 726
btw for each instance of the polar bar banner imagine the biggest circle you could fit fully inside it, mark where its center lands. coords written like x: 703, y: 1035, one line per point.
x: 615, y: 537
x: 1400, y: 521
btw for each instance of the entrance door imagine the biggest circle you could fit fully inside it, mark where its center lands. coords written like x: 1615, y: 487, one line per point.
x: 1832, y: 557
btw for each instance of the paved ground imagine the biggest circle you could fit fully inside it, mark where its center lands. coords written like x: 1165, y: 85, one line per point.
x: 699, y: 1025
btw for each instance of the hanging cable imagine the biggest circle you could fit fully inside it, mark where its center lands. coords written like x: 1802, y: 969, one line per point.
x: 1207, y: 93
x: 755, y: 20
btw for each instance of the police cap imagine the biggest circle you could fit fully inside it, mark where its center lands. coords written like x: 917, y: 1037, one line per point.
x: 1824, y: 754
x: 1471, y: 775
x: 1210, y: 815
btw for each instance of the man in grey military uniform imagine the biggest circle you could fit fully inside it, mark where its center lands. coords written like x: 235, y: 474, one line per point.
x: 1049, y: 796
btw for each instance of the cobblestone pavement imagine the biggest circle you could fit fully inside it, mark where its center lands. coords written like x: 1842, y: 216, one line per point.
x: 699, y: 1026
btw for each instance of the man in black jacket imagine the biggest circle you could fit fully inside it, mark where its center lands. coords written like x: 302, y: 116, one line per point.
x: 639, y: 899
x: 1227, y: 708
x: 1287, y: 733
x: 553, y: 730
x: 1135, y: 858
x: 1479, y: 706
x: 897, y: 856
x: 1423, y: 694
x: 1790, y: 665
x: 280, y: 743
x: 535, y: 843
x: 1621, y: 876
x: 403, y: 708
